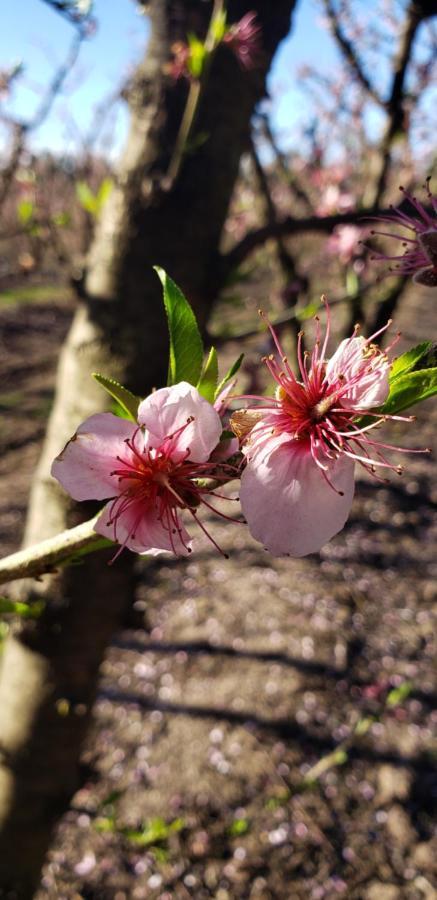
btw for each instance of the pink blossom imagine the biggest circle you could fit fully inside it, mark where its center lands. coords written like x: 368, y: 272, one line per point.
x: 301, y: 446
x: 419, y: 257
x: 245, y: 39
x: 343, y: 242
x: 148, y: 470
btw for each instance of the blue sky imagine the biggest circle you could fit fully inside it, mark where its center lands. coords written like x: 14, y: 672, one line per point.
x: 32, y: 32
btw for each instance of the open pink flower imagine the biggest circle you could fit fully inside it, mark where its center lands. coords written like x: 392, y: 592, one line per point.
x: 147, y: 471
x: 301, y: 446
x: 245, y: 40
x: 419, y: 257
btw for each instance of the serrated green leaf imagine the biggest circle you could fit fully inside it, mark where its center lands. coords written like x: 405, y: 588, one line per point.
x: 186, y: 348
x: 207, y: 383
x: 408, y: 360
x: 409, y: 389
x: 229, y: 374
x: 86, y: 198
x: 25, y: 210
x: 128, y: 401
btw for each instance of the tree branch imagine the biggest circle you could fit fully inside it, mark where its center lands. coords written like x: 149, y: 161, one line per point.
x: 350, y: 55
x: 46, y: 556
x: 289, y: 226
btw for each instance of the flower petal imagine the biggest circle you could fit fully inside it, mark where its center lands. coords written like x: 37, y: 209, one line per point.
x: 140, y: 529
x: 168, y: 410
x: 363, y: 369
x: 289, y: 506
x: 84, y: 467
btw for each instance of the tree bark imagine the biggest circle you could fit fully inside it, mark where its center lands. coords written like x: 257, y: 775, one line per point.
x: 50, y: 667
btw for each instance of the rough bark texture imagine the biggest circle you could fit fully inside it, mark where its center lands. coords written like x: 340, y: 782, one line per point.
x: 50, y: 668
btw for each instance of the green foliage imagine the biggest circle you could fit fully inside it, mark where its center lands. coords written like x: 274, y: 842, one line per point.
x: 409, y: 360
x: 62, y: 219
x: 93, y: 203
x: 186, y: 348
x: 238, y: 827
x: 196, y: 59
x: 207, y: 384
x: 25, y: 211
x: 218, y: 26
x: 229, y: 375
x: 124, y: 398
x: 150, y: 834
x: 397, y: 696
x: 24, y: 610
x: 157, y: 831
x: 408, y: 389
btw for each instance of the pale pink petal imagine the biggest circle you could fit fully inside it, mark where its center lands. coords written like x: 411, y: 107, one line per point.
x: 225, y: 449
x: 288, y: 505
x: 222, y: 401
x: 140, y: 529
x: 366, y: 370
x: 169, y: 409
x: 84, y: 467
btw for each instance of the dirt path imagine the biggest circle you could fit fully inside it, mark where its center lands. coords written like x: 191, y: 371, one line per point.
x: 236, y: 677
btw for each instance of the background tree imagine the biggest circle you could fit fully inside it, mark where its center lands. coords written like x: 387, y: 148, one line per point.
x: 51, y: 665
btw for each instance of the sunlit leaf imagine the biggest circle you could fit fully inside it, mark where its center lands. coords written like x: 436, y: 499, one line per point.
x: 24, y: 610
x: 207, y: 384
x: 408, y: 389
x: 229, y: 374
x: 86, y: 198
x: 126, y: 400
x: 186, y: 349
x: 409, y: 360
x: 25, y: 211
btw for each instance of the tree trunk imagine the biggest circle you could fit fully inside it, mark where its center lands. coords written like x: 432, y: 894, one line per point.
x: 50, y: 667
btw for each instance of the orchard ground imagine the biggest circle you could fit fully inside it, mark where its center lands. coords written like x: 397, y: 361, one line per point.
x: 233, y: 678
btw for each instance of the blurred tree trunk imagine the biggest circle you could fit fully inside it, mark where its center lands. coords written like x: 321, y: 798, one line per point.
x: 50, y: 667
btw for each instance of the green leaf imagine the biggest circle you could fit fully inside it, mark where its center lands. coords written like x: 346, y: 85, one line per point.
x: 207, y: 383
x: 25, y: 610
x: 103, y: 193
x: 197, y: 56
x: 186, y: 348
x: 129, y: 402
x: 408, y: 389
x: 239, y: 827
x: 352, y: 283
x: 408, y: 361
x: 307, y: 312
x: 156, y: 831
x: 397, y: 696
x: 86, y: 198
x: 61, y: 220
x: 229, y: 374
x: 218, y: 26
x: 25, y: 210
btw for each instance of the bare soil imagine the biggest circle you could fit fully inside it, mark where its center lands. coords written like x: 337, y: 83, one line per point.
x: 236, y: 677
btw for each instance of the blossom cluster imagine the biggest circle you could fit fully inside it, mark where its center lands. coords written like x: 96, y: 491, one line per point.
x: 294, y: 453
